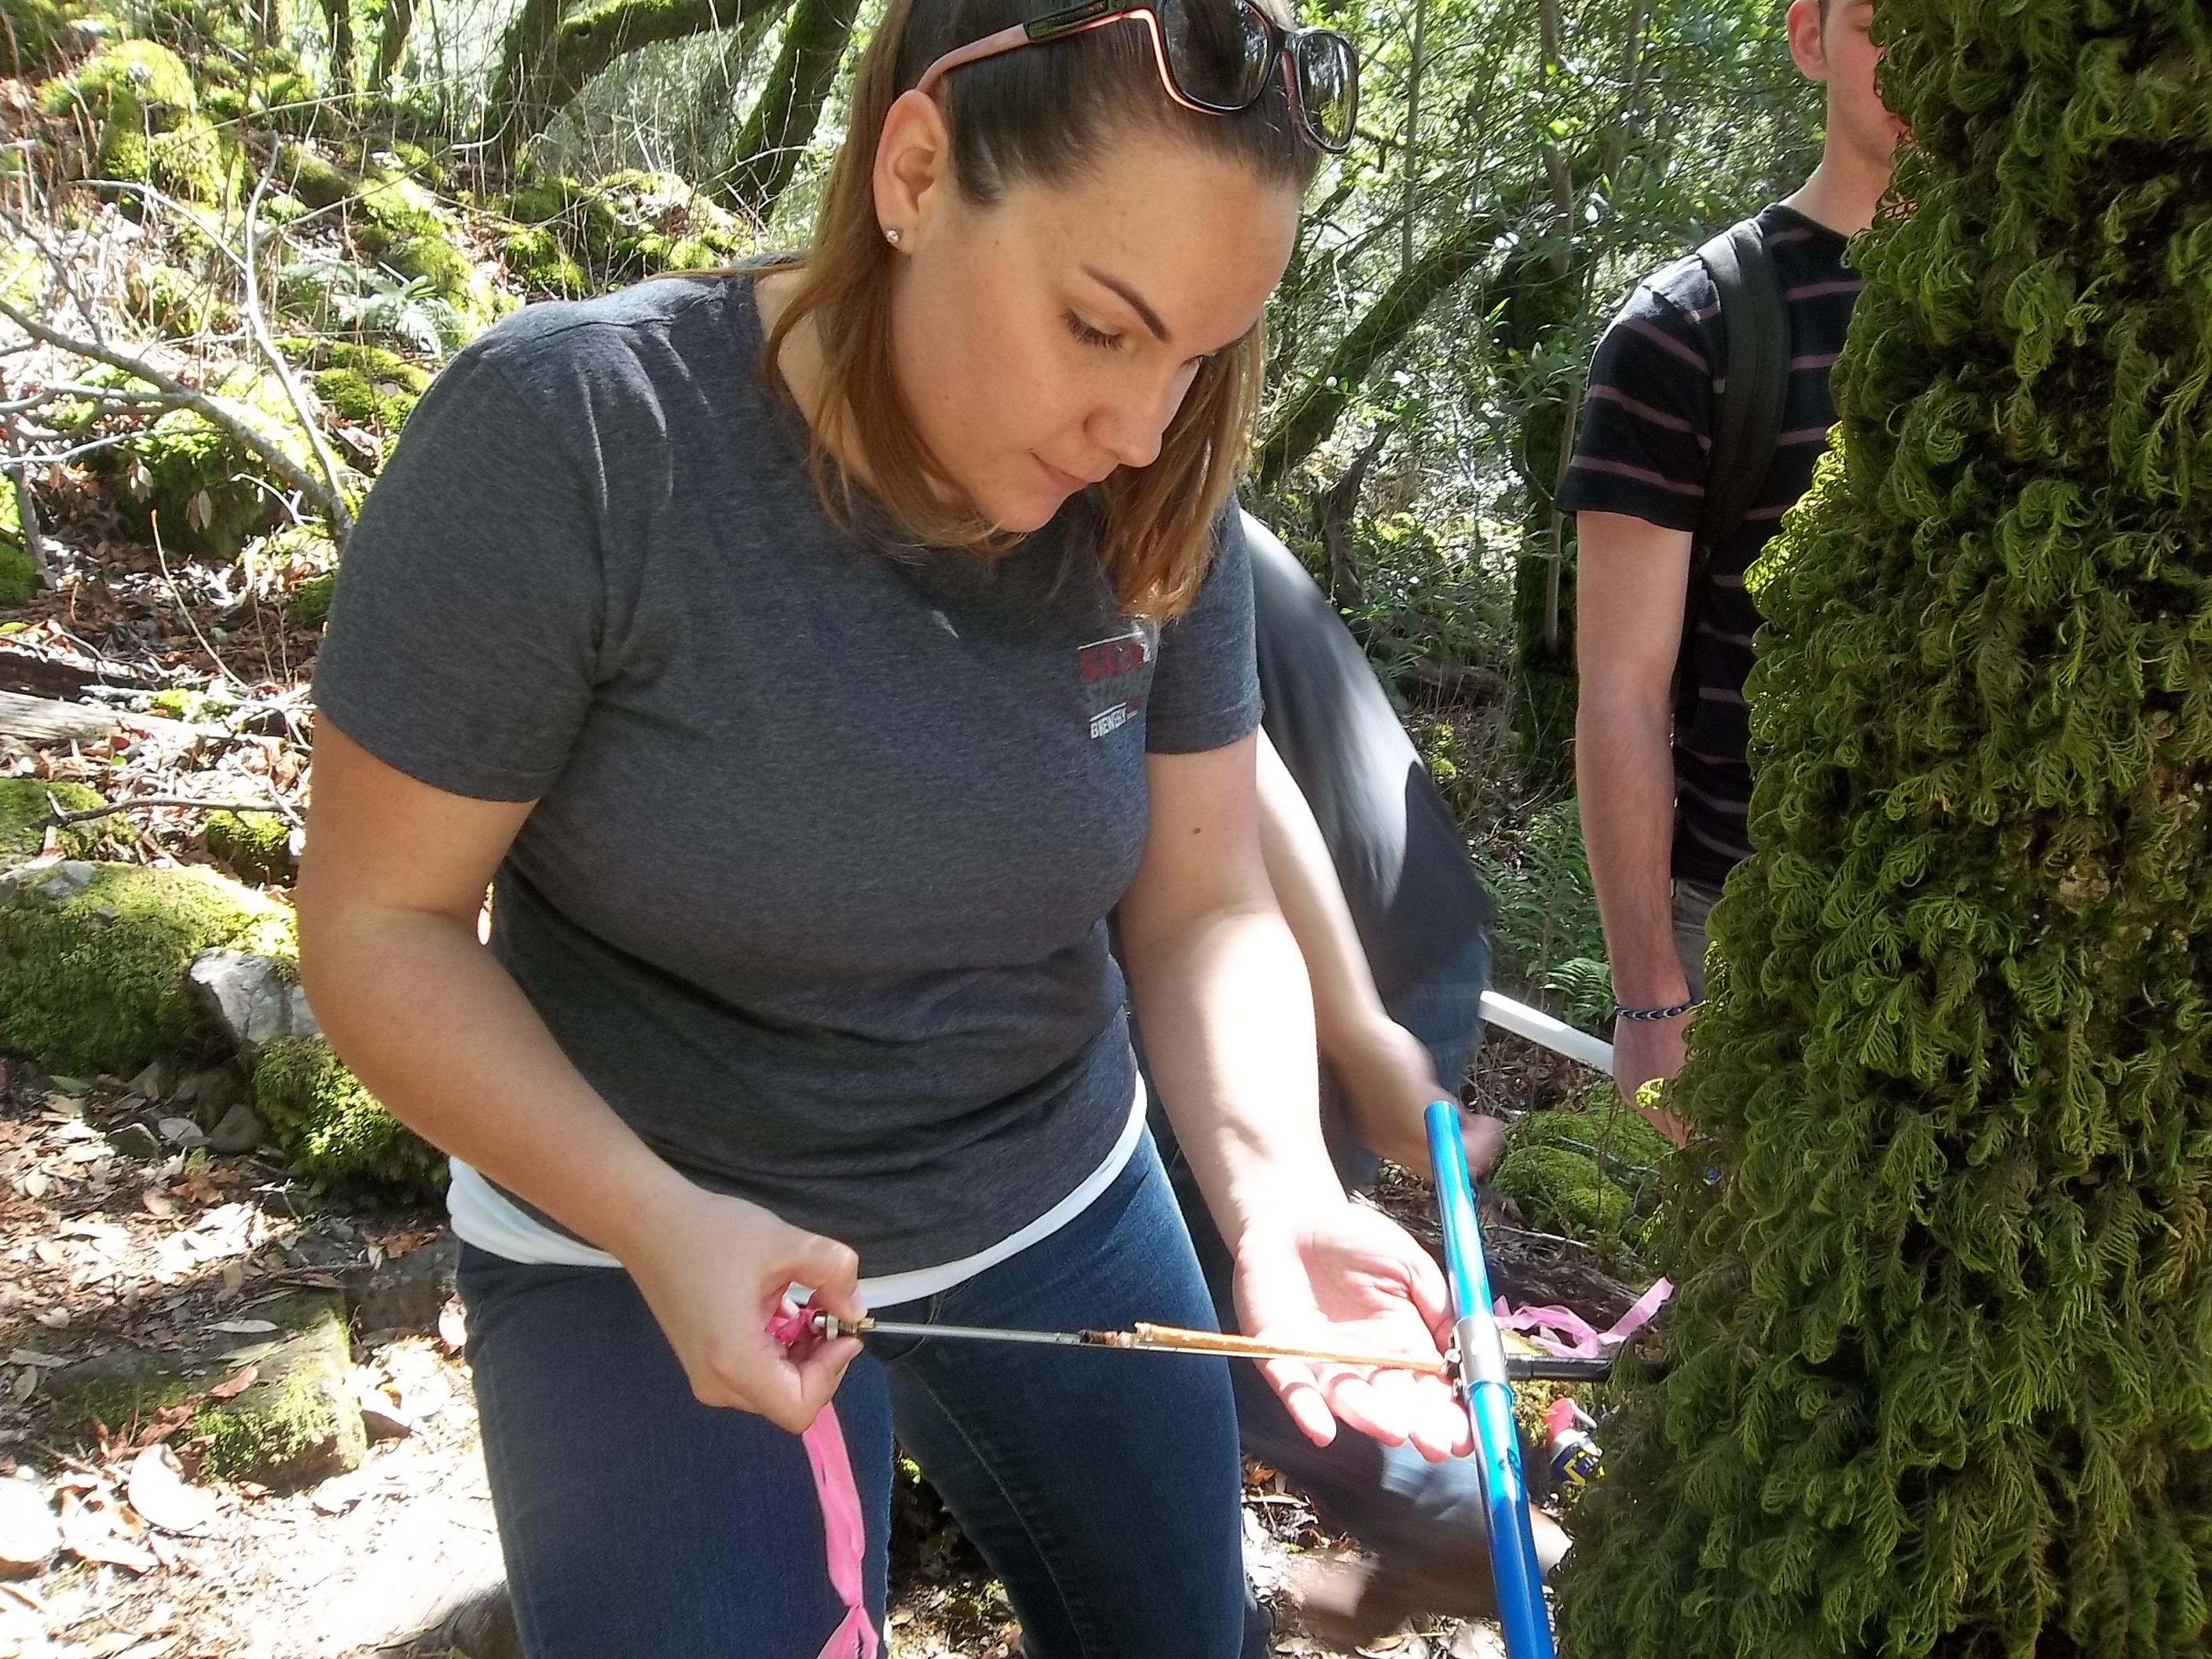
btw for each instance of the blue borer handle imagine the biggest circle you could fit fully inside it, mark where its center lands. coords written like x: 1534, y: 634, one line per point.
x: 1489, y: 1398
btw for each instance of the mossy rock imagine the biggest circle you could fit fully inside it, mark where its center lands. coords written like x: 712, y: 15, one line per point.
x: 134, y: 90
x: 310, y: 606
x: 294, y: 1423
x: 1560, y: 1188
x: 662, y: 224
x: 371, y: 386
x: 337, y: 1136
x: 313, y: 179
x: 23, y: 817
x: 309, y: 545
x: 256, y: 846
x: 535, y: 257
x: 396, y: 208
x: 210, y: 493
x: 93, y: 959
x: 195, y: 160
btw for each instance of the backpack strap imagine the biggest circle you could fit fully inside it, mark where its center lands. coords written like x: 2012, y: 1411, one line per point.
x: 1754, y: 381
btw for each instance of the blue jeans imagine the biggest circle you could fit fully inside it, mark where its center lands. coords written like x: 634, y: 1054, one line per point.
x: 1408, y: 1512
x: 1101, y: 1487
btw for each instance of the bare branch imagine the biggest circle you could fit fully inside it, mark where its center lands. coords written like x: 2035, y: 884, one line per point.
x: 342, y: 521
x: 26, y: 508
x: 201, y: 404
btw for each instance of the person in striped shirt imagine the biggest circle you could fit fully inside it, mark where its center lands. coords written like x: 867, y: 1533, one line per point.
x: 1665, y: 791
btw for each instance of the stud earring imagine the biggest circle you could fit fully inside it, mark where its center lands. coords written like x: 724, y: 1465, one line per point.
x: 891, y: 234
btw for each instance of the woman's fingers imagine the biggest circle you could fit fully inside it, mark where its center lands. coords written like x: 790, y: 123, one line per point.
x: 1301, y: 1397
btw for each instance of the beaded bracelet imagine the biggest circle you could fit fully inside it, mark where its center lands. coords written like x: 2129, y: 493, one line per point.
x: 1674, y: 1012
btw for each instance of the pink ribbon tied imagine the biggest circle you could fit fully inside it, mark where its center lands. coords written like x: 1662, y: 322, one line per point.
x: 1573, y: 1337
x: 845, y: 1535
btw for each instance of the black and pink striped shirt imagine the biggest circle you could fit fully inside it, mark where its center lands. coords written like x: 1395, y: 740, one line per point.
x: 1644, y: 451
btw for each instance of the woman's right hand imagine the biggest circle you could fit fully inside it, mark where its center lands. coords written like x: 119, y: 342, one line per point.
x: 715, y: 1270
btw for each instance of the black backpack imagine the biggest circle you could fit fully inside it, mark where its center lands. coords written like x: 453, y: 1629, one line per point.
x: 1755, y: 371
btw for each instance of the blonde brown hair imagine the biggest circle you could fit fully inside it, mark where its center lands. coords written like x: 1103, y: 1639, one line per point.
x: 1044, y: 111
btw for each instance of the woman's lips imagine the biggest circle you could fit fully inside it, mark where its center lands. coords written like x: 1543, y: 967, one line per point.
x: 1067, y: 482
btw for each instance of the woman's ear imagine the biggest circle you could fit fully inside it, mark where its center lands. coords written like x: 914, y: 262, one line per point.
x: 914, y: 168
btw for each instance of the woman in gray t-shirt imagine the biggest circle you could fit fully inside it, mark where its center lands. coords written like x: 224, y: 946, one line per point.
x: 810, y: 657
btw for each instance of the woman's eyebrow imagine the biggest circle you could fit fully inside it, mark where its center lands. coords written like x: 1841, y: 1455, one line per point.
x: 1136, y: 301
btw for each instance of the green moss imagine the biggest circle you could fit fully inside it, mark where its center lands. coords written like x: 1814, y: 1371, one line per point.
x: 257, y: 846
x: 135, y: 90
x: 535, y: 257
x: 437, y: 261
x: 209, y: 491
x: 294, y: 1423
x: 195, y: 160
x: 311, y: 600
x: 629, y: 224
x: 1577, y: 1171
x: 297, y: 547
x: 92, y: 961
x: 19, y: 577
x: 175, y: 302
x: 334, y: 1132
x: 23, y: 817
x: 370, y: 385
x: 307, y: 175
x: 136, y: 75
x: 35, y: 34
x: 295, y: 1430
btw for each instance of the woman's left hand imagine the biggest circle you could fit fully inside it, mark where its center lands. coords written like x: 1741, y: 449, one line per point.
x: 1347, y: 1276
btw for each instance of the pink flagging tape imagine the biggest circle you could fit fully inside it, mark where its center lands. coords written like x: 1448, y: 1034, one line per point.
x: 845, y: 1535
x: 1566, y: 1334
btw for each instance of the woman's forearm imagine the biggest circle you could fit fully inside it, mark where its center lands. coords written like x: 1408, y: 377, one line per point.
x: 436, y: 1029
x: 1226, y: 1012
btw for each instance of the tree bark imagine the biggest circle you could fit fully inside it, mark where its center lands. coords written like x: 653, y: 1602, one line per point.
x: 1310, y: 414
x: 547, y: 58
x: 338, y: 17
x: 391, y: 41
x: 784, y: 115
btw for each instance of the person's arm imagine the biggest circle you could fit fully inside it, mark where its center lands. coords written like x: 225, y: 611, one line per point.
x: 391, y: 883
x: 1630, y: 583
x: 1389, y: 1079
x: 1224, y: 1005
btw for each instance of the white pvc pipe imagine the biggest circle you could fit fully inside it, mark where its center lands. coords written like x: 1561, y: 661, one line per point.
x: 1540, y: 1028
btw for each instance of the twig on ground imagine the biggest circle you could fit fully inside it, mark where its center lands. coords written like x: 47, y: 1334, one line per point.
x: 273, y: 807
x: 176, y: 593
x: 1619, y: 1164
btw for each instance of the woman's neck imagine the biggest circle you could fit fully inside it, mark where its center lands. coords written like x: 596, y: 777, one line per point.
x: 799, y: 361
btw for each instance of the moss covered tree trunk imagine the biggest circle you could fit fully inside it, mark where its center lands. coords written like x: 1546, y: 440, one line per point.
x: 550, y: 52
x: 1543, y: 294
x: 768, y: 148
x: 1943, y: 1344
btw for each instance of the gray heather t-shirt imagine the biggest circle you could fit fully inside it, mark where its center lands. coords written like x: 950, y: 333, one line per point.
x: 813, y: 892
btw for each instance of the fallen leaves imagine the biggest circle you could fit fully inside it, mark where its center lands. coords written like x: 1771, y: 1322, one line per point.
x: 232, y: 1387
x: 158, y: 1491
x: 97, y: 1527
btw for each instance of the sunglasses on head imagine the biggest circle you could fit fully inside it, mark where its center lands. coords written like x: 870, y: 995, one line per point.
x: 1210, y: 63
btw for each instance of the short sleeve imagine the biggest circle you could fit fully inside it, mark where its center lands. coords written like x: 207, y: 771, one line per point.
x: 1205, y: 690
x: 462, y: 638
x: 1647, y: 419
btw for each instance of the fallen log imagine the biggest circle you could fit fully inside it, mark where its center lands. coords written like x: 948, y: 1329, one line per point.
x: 41, y: 719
